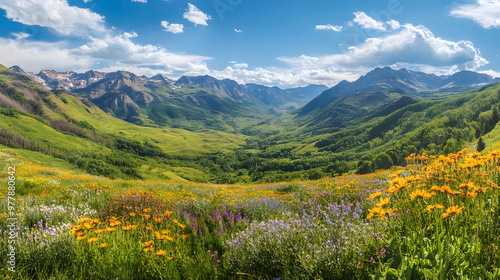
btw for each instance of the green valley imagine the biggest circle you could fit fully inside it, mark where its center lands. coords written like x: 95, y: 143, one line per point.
x: 187, y: 132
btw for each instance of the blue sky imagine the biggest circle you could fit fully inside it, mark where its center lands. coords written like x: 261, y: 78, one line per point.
x: 280, y: 42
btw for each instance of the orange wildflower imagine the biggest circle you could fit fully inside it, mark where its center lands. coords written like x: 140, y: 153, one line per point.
x: 452, y: 210
x: 421, y: 194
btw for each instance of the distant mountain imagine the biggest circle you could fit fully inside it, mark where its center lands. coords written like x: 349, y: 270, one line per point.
x: 161, y: 80
x: 468, y: 79
x: 123, y: 81
x: 186, y: 103
x: 266, y: 95
x: 221, y: 88
x: 302, y: 95
x: 226, y: 88
x: 63, y: 80
x: 17, y: 69
x: 294, y: 97
x: 119, y: 92
x: 308, y: 92
x: 32, y: 76
x: 402, y: 81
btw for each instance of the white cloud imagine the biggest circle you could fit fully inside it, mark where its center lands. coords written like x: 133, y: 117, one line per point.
x: 120, y: 50
x: 484, y: 12
x: 240, y: 66
x: 394, y: 24
x: 412, y: 45
x: 110, y: 53
x: 21, y: 35
x: 284, y: 78
x: 141, y: 1
x: 237, y: 30
x: 35, y: 56
x: 196, y: 16
x: 367, y: 22
x: 172, y: 27
x: 336, y: 28
x: 55, y: 14
x: 491, y: 72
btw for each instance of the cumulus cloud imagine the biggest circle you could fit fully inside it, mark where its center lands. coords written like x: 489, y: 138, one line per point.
x: 110, y: 53
x: 412, y: 45
x: 141, y: 1
x: 196, y: 16
x: 394, y: 24
x: 55, y: 14
x: 237, y: 30
x: 336, y: 28
x: 367, y: 22
x: 35, y: 56
x: 284, y: 77
x: 491, y: 72
x: 484, y: 12
x: 172, y: 27
x: 240, y: 65
x: 121, y: 50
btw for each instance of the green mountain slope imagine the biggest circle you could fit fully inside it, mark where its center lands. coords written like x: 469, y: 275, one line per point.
x: 61, y: 125
x: 402, y: 81
x: 380, y: 140
x: 341, y: 112
x: 156, y: 102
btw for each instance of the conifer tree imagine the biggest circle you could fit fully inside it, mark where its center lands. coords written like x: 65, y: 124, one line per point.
x: 480, y: 145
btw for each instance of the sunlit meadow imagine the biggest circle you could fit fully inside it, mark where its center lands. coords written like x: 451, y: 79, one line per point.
x: 435, y: 219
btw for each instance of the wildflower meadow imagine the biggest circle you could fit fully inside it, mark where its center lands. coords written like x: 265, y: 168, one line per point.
x: 437, y: 218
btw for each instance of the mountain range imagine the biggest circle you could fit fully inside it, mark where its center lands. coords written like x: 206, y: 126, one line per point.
x: 225, y: 88
x: 192, y: 102
x: 380, y: 80
x: 388, y: 80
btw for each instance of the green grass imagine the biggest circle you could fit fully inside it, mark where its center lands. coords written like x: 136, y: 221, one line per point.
x: 10, y: 155
x: 46, y: 135
x: 171, y: 140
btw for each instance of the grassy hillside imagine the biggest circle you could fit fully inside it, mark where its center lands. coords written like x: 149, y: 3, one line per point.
x: 60, y: 125
x: 339, y: 113
x: 172, y: 140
